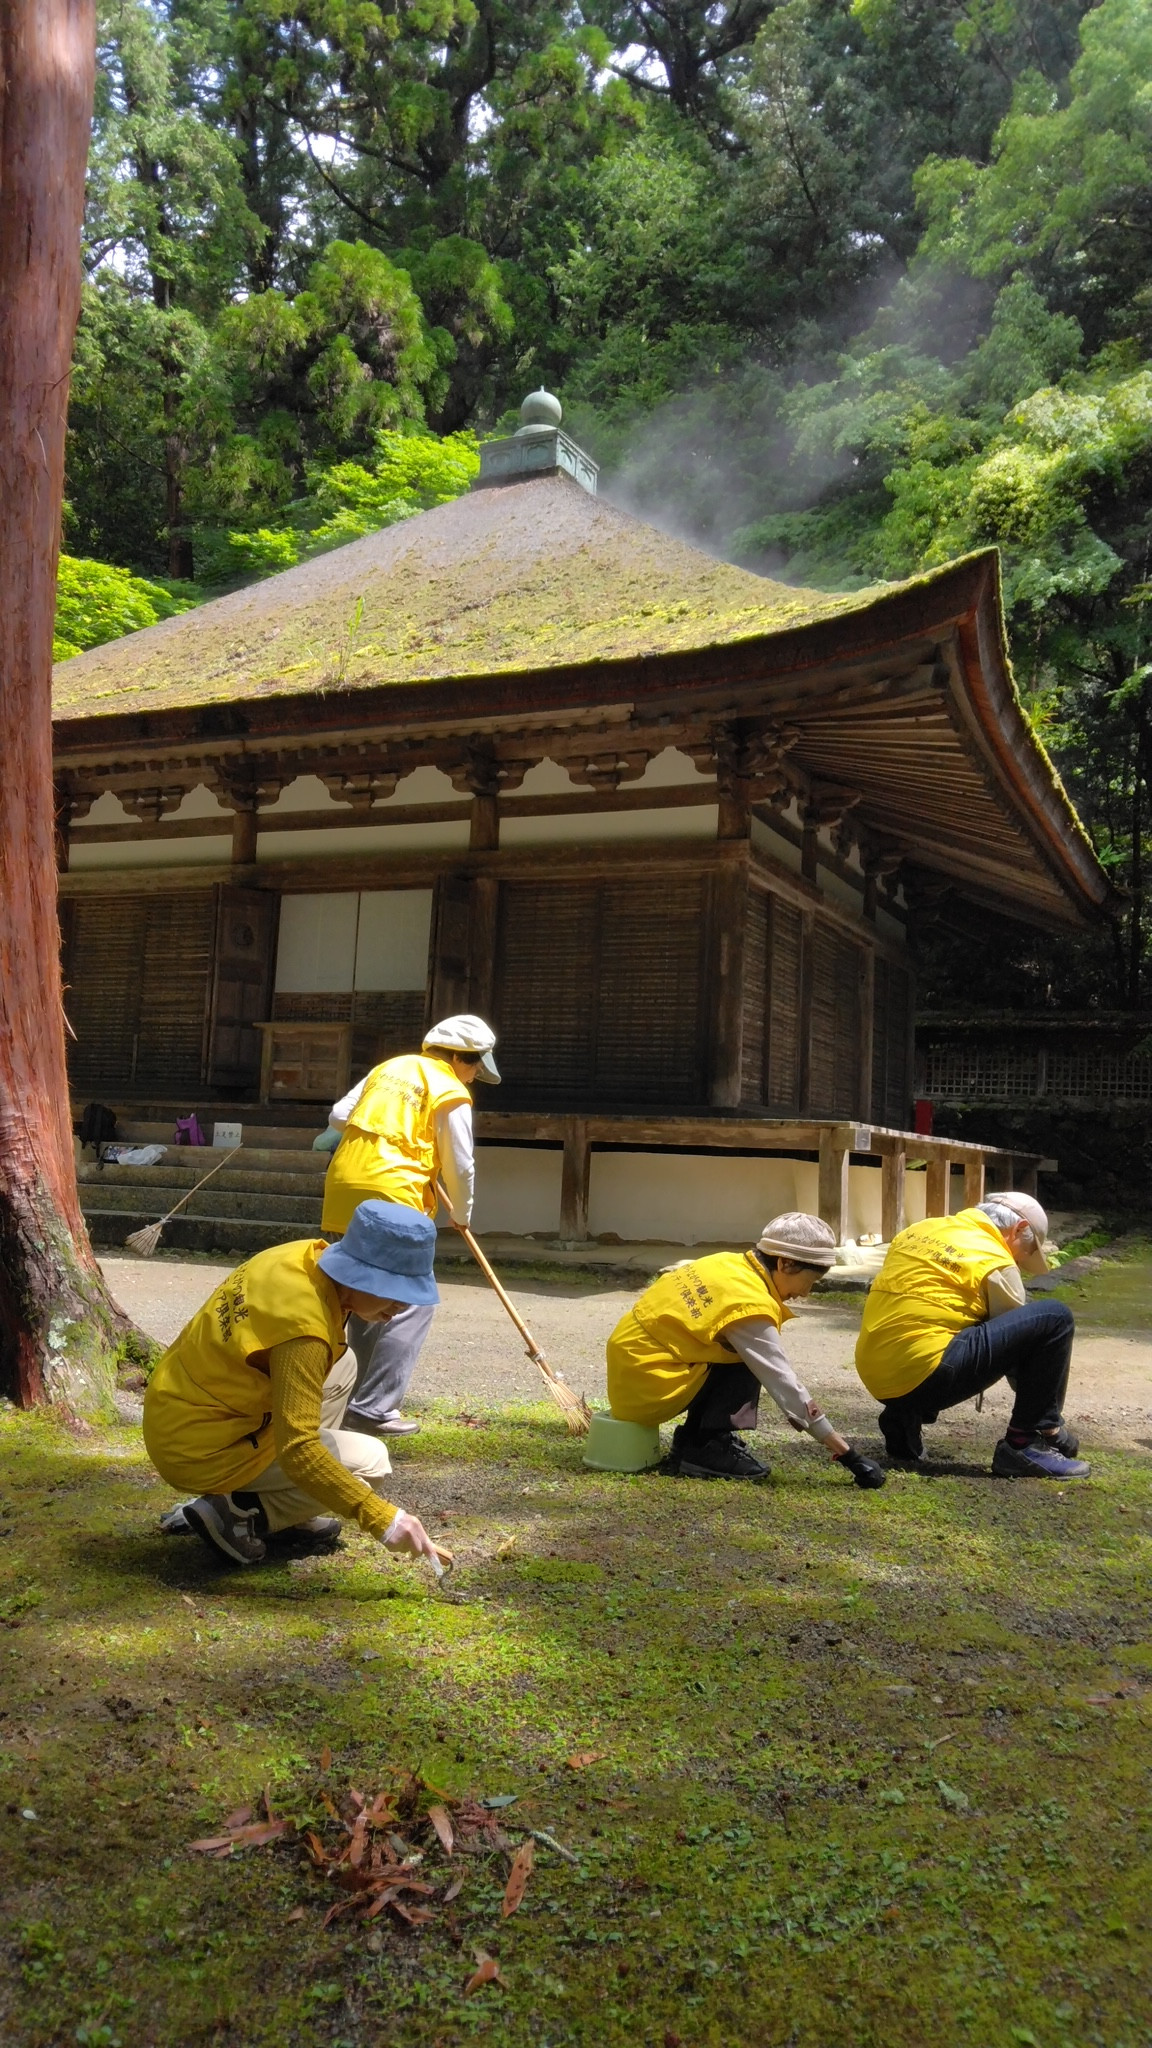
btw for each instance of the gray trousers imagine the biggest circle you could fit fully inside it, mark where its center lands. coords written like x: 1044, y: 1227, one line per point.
x: 386, y: 1358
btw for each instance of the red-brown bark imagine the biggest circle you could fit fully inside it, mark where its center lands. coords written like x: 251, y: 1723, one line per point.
x: 56, y: 1322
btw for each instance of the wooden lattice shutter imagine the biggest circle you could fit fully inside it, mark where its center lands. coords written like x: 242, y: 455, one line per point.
x: 545, y: 1000
x: 891, y: 1080
x: 752, y: 1065
x: 175, y: 988
x: 834, y: 1055
x: 105, y: 970
x: 782, y: 1049
x: 648, y: 1035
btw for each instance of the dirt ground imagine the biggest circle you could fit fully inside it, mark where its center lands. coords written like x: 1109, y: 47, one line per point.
x: 474, y: 1357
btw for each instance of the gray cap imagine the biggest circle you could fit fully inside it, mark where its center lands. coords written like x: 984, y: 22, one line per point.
x: 796, y: 1235
x: 1030, y: 1212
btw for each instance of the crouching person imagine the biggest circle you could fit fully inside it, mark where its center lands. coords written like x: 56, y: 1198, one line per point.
x: 246, y: 1407
x: 704, y: 1339
x: 947, y: 1316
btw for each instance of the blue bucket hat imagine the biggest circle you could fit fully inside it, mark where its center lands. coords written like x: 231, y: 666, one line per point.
x: 387, y: 1250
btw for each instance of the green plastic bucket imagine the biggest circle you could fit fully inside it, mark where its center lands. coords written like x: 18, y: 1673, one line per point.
x: 615, y: 1446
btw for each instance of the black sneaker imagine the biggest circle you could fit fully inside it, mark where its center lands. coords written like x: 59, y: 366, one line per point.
x: 1065, y: 1441
x: 224, y: 1527
x: 903, y: 1437
x: 718, y: 1457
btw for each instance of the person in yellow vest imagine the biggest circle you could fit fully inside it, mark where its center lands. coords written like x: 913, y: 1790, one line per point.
x: 704, y: 1339
x: 247, y: 1407
x: 407, y: 1125
x: 947, y: 1316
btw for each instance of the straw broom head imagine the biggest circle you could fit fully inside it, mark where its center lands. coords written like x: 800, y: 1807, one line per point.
x: 573, y: 1407
x: 145, y: 1241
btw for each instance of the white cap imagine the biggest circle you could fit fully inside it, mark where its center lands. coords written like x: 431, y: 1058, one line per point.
x: 1029, y: 1211
x: 796, y: 1235
x: 466, y: 1034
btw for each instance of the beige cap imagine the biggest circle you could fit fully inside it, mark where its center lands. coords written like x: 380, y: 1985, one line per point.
x: 466, y: 1034
x: 1029, y: 1211
x: 796, y: 1235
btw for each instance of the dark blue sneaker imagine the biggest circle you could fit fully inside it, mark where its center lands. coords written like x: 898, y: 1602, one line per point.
x: 1036, y: 1460
x: 1065, y: 1440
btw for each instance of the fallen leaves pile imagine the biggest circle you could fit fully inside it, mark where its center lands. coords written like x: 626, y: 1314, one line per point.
x: 398, y: 1851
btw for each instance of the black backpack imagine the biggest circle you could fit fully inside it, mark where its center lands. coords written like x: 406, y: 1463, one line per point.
x: 97, y: 1125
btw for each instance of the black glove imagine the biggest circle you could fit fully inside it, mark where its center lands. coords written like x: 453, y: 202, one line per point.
x: 863, y: 1471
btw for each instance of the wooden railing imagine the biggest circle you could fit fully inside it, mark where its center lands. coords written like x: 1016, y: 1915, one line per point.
x: 834, y: 1143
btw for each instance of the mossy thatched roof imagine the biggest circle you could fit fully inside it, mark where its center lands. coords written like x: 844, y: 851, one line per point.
x: 530, y: 576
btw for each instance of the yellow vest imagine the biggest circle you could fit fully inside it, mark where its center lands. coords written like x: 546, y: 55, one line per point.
x: 660, y: 1350
x: 208, y: 1406
x: 388, y: 1152
x: 930, y: 1286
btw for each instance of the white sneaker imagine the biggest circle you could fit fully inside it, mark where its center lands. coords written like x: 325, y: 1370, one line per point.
x: 224, y: 1527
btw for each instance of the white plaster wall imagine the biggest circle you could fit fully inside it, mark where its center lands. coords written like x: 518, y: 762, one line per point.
x: 771, y: 843
x: 151, y: 853
x: 546, y: 778
x: 694, y: 821
x: 517, y: 1190
x: 108, y: 810
x: 203, y: 802
x: 350, y: 839
x: 666, y: 1198
x: 306, y: 793
x: 665, y: 770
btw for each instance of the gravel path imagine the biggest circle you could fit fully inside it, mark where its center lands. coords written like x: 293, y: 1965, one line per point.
x: 474, y: 1356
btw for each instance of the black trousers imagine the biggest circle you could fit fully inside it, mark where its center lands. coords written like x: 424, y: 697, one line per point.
x: 1031, y: 1347
x: 728, y: 1400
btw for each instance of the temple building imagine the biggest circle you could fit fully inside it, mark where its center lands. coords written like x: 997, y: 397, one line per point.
x: 667, y: 823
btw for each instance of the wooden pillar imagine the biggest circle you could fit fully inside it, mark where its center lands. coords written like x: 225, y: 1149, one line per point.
x: 574, y: 1180
x: 482, y: 944
x: 810, y: 851
x: 867, y: 987
x: 484, y: 830
x: 973, y: 1182
x: 245, y: 828
x: 893, y: 1216
x: 833, y: 1197
x: 804, y: 1018
x: 936, y: 1193
x: 729, y: 917
x: 734, y: 818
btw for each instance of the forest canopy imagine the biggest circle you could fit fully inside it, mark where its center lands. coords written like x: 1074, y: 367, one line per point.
x: 839, y: 288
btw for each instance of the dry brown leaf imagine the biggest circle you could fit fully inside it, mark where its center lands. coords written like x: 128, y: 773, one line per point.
x: 297, y: 1913
x: 358, y: 1846
x: 584, y: 1757
x: 268, y: 1804
x: 518, y: 1876
x: 239, y: 1818
x: 316, y: 1849
x: 488, y: 1972
x: 506, y: 1548
x: 454, y: 1890
x: 325, y: 1758
x: 442, y: 1822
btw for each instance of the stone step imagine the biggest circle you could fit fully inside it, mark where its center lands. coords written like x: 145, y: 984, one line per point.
x: 301, y: 1209
x: 232, y: 1237
x: 284, y: 1171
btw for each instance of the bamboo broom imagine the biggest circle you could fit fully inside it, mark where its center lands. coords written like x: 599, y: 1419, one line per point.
x: 572, y: 1406
x: 145, y: 1241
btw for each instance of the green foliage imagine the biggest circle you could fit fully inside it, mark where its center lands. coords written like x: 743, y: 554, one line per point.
x: 95, y: 603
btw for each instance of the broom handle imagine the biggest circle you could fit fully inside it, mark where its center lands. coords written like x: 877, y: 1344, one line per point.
x: 200, y: 1183
x: 534, y: 1351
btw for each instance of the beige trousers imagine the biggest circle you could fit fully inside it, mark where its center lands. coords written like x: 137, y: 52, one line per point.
x: 284, y: 1503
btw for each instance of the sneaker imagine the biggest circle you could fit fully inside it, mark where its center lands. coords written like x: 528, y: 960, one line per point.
x: 224, y: 1527
x: 1036, y: 1460
x: 1065, y: 1440
x: 719, y: 1457
x: 174, y: 1521
x: 903, y: 1437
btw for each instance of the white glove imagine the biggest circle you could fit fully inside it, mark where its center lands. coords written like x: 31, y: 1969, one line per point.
x: 410, y: 1538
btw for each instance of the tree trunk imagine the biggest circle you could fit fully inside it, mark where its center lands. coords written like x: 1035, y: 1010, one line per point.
x: 59, y: 1331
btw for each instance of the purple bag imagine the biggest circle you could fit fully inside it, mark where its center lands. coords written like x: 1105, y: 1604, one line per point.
x: 188, y: 1131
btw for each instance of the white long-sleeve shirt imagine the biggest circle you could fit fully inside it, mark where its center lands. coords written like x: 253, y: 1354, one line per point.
x: 455, y: 1155
x: 758, y: 1342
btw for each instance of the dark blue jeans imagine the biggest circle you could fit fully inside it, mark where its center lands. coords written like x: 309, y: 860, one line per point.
x: 1030, y: 1347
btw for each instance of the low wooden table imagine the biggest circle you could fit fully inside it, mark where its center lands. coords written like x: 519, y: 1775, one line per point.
x: 305, y: 1062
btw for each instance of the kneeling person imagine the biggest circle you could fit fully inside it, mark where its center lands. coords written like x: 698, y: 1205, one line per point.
x: 704, y: 1339
x: 246, y: 1407
x: 947, y: 1316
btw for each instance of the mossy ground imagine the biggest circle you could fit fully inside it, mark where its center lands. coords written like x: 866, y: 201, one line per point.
x: 872, y: 1769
